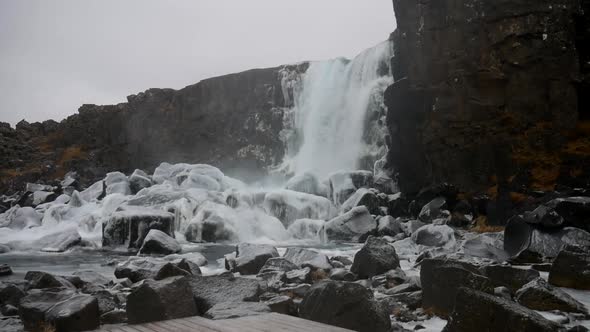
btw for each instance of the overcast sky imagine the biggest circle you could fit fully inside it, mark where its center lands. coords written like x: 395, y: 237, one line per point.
x: 57, y: 55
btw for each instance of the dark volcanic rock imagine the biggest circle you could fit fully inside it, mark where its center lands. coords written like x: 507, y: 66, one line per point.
x: 159, y: 300
x: 38, y: 279
x: 353, y: 225
x: 441, y: 280
x: 130, y: 227
x: 574, y: 210
x: 78, y: 313
x: 158, y: 242
x: 344, y: 304
x: 211, y: 290
x: 451, y: 105
x: 377, y: 256
x: 539, y: 295
x: 250, y: 258
x: 478, y: 311
x: 5, y: 270
x: 140, y: 268
x: 10, y: 294
x: 508, y: 276
x: 571, y: 268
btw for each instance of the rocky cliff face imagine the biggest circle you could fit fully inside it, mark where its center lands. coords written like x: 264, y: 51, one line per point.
x: 232, y: 122
x: 490, y: 94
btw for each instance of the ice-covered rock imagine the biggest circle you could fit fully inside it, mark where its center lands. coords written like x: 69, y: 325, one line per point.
x: 354, y: 225
x: 19, y: 218
x: 158, y: 242
x: 377, y: 256
x: 117, y: 183
x: 130, y: 226
x: 434, y: 236
x: 305, y: 228
x: 288, y: 206
x: 345, y: 184
x: 344, y: 304
x: 95, y: 191
x: 307, y: 183
x: 363, y: 196
x: 59, y: 242
x: 139, y: 180
x: 160, y: 300
x: 40, y: 197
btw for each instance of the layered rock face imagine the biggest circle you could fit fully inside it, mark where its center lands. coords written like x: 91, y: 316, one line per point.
x: 227, y: 121
x: 490, y: 94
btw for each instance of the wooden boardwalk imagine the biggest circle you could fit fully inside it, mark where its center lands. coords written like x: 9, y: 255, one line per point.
x: 265, y: 323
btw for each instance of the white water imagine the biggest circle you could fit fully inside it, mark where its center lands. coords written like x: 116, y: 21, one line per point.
x: 331, y: 102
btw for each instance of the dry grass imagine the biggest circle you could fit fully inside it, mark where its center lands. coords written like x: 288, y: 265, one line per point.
x: 481, y: 226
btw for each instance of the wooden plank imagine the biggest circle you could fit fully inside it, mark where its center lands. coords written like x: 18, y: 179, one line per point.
x: 141, y: 328
x: 213, y: 325
x: 157, y: 328
x: 261, y: 324
x: 201, y: 325
x: 296, y: 321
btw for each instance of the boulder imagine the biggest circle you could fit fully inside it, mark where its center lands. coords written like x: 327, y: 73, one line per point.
x: 117, y: 183
x: 5, y: 270
x: 308, y: 258
x: 433, y: 210
x: 59, y: 242
x: 345, y: 184
x: 78, y: 313
x: 478, y: 311
x: 377, y: 256
x: 486, y: 245
x: 211, y: 290
x: 344, y: 304
x: 288, y: 206
x: 91, y: 277
x: 539, y: 295
x: 250, y: 258
x: 228, y: 310
x: 39, y: 280
x: 306, y: 183
x: 194, y: 257
x: 389, y: 226
x: 363, y: 197
x: 354, y: 225
x: 11, y: 324
x: 508, y: 276
x: 129, y: 227
x: 397, y: 205
x: 281, y: 304
x: 10, y: 294
x: 159, y: 300
x: 543, y: 216
x: 434, y: 236
x: 441, y: 279
x: 138, y: 181
x: 574, y: 210
x: 524, y: 242
x: 158, y: 242
x: 278, y: 264
x: 305, y: 228
x: 571, y: 268
x: 117, y: 316
x: 342, y: 275
x: 299, y: 276
x: 140, y: 268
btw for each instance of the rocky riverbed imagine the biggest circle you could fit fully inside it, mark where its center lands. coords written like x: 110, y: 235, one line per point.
x: 188, y: 240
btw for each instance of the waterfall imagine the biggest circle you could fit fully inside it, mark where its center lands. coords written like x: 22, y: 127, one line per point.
x: 337, y: 119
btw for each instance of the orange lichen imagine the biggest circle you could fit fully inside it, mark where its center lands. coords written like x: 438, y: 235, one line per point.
x: 517, y: 197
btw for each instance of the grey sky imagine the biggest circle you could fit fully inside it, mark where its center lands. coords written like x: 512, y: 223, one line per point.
x: 56, y: 55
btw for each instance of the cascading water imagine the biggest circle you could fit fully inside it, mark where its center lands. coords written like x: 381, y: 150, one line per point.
x: 337, y: 119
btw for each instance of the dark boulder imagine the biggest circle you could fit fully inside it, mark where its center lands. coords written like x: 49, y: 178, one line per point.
x: 39, y: 279
x: 250, y: 258
x: 129, y: 227
x: 158, y: 242
x: 117, y: 316
x: 5, y: 270
x: 140, y: 268
x: 387, y: 225
x: 543, y: 216
x: 159, y: 300
x: 364, y: 197
x: 211, y: 290
x: 32, y: 308
x: 10, y: 294
x: 299, y: 276
x: 308, y: 258
x: 344, y: 304
x: 478, y: 311
x: 434, y: 236
x: 508, y: 276
x: 571, y: 268
x: 435, y: 209
x: 138, y: 181
x: 78, y: 313
x: 354, y: 225
x: 539, y: 295
x: 341, y: 274
x: 441, y: 279
x: 574, y: 210
x: 278, y: 264
x: 377, y: 256
x: 487, y: 245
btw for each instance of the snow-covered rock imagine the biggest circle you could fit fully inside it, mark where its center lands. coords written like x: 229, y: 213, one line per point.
x: 130, y: 226
x: 354, y: 225
x: 288, y: 206
x: 158, y: 242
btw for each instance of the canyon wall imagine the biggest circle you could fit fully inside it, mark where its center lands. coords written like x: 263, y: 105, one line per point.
x: 232, y: 122
x: 490, y: 95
